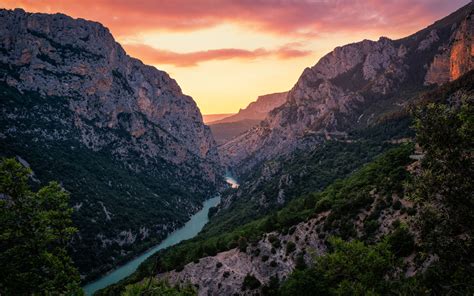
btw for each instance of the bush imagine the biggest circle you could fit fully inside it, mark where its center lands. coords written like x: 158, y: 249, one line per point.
x: 290, y: 247
x: 250, y: 282
x: 401, y: 241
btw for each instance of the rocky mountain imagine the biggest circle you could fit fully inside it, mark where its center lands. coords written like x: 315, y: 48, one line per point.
x: 373, y: 205
x: 257, y: 110
x: 121, y: 136
x: 352, y: 85
x: 232, y: 126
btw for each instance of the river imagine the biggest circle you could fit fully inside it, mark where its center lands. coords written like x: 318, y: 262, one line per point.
x: 189, y: 230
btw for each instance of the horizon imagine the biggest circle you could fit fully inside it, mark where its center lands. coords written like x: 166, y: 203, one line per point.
x: 199, y: 43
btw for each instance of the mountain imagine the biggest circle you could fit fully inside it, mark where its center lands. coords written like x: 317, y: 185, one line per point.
x: 339, y: 158
x: 209, y: 118
x: 232, y: 126
x: 353, y: 85
x: 226, y: 131
x: 119, y: 135
x: 369, y: 213
x: 257, y: 110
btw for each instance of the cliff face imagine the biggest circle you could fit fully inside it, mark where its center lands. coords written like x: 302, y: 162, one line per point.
x: 58, y: 56
x: 120, y: 135
x: 257, y: 110
x: 354, y: 84
x: 456, y: 58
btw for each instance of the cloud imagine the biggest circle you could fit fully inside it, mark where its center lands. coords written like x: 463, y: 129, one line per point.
x: 288, y: 17
x: 153, y: 55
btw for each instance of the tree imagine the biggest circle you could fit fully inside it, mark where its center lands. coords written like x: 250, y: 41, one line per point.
x: 158, y: 288
x: 351, y: 268
x: 35, y: 228
x: 444, y: 190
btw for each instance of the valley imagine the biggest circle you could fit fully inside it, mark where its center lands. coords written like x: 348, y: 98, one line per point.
x: 355, y: 181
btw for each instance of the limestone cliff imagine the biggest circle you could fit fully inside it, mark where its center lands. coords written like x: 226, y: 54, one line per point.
x: 352, y: 85
x: 119, y: 135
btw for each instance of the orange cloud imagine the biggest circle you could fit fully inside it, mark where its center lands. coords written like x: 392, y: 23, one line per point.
x: 290, y: 17
x: 152, y: 55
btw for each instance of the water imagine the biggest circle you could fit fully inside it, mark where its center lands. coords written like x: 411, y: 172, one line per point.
x: 230, y: 179
x: 189, y: 230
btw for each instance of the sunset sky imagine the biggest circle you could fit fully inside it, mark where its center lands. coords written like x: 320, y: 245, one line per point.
x: 226, y: 53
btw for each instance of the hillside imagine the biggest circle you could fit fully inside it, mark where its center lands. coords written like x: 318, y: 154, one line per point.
x: 229, y: 127
x: 224, y: 132
x: 257, y: 110
x: 209, y: 118
x: 383, y: 206
x: 119, y: 135
x: 353, y: 85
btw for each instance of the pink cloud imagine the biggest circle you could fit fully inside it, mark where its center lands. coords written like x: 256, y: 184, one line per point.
x: 158, y: 56
x: 290, y: 17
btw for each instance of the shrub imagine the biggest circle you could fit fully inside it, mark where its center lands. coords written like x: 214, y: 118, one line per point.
x: 290, y: 247
x: 250, y: 282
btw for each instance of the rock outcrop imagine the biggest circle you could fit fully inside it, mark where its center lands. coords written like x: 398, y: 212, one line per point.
x: 353, y: 85
x: 455, y: 58
x: 271, y: 256
x: 120, y: 135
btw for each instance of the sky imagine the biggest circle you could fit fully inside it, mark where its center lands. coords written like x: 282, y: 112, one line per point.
x: 225, y: 53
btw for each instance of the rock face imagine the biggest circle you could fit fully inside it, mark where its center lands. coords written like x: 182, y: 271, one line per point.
x: 120, y: 135
x: 352, y: 85
x: 257, y: 110
x: 58, y: 56
x: 455, y: 59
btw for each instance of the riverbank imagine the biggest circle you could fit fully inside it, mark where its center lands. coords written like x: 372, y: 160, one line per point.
x: 189, y: 230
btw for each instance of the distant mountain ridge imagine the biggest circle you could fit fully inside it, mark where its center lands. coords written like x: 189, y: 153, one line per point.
x: 257, y: 110
x: 209, y: 118
x: 354, y: 84
x: 119, y: 135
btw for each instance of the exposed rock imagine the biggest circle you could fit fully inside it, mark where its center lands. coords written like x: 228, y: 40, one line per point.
x: 456, y: 56
x: 59, y: 56
x: 354, y: 82
x: 68, y: 89
x: 264, y: 260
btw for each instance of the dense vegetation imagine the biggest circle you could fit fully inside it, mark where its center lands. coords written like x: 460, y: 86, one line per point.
x: 153, y: 287
x: 383, y: 173
x: 42, y: 132
x: 443, y: 190
x: 444, y: 132
x: 35, y: 228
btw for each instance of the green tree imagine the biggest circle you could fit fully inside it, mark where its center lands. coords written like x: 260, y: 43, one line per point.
x: 351, y: 268
x: 444, y: 190
x: 35, y: 228
x: 158, y: 288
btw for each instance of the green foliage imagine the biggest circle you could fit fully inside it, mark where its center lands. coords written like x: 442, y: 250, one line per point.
x: 310, y: 171
x: 158, y: 288
x: 290, y: 247
x: 351, y: 268
x: 401, y: 241
x: 271, y: 289
x: 124, y: 186
x: 242, y: 244
x: 250, y: 283
x: 344, y: 198
x: 444, y: 190
x: 35, y: 228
